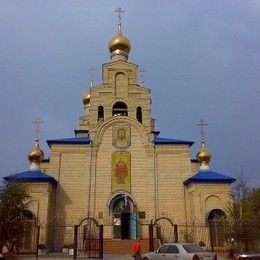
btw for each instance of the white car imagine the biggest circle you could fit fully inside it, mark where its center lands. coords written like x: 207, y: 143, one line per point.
x: 180, y: 251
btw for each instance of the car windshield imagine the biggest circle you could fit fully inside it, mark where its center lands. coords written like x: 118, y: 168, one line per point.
x: 193, y: 248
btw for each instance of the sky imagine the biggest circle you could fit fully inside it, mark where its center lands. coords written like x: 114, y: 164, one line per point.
x: 201, y: 61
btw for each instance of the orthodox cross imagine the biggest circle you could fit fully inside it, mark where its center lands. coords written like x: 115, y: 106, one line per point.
x: 37, y: 121
x: 119, y: 11
x: 202, y: 124
x: 142, y: 71
x: 92, y: 72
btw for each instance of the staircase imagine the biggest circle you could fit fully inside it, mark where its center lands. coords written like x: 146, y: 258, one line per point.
x: 125, y: 247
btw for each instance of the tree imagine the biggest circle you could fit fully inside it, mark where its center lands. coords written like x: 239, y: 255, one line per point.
x: 243, y: 222
x: 14, y: 200
x: 254, y: 201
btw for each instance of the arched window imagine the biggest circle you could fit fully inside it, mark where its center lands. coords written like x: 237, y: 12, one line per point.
x: 120, y: 108
x: 100, y: 114
x: 139, y: 115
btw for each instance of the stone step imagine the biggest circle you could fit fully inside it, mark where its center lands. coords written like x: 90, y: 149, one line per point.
x: 112, y: 246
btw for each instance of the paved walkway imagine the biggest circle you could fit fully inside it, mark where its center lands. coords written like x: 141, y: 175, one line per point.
x: 61, y: 257
x: 55, y: 256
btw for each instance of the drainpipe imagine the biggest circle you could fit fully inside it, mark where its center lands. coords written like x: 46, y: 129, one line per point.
x: 155, y: 183
x: 90, y: 177
x: 185, y: 208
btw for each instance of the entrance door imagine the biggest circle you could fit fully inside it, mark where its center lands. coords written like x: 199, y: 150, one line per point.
x: 124, y: 219
x: 125, y: 226
x: 133, y: 225
x: 216, y: 227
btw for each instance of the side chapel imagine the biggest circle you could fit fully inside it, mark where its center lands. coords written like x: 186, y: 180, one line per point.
x: 118, y: 170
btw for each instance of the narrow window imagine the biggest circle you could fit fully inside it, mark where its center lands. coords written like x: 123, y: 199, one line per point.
x: 139, y: 114
x: 100, y: 114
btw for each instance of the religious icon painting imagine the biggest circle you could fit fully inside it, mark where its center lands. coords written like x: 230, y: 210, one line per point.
x: 121, y: 136
x: 121, y: 171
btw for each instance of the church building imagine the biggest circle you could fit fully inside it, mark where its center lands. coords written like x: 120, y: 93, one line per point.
x: 119, y: 171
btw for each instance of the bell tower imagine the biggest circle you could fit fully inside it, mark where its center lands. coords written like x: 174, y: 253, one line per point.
x: 120, y: 94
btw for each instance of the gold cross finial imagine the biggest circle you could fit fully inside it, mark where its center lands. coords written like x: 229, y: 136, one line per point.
x: 120, y: 11
x: 92, y: 72
x: 202, y: 124
x: 142, y: 71
x: 37, y: 121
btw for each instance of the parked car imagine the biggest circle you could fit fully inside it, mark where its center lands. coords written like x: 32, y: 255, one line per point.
x: 254, y: 255
x: 180, y: 251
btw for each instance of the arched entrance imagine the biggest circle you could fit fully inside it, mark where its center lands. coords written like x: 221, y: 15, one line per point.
x: 124, y: 217
x: 166, y: 231
x: 215, y: 221
x: 28, y: 242
x: 88, y: 237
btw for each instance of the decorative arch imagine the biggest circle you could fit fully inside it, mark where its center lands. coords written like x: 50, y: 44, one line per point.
x: 163, y: 218
x: 118, y: 195
x: 111, y: 121
x: 166, y: 230
x: 212, y: 202
x: 89, y: 219
x: 213, y: 197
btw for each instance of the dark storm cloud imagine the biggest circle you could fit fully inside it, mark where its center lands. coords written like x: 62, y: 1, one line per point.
x: 201, y: 60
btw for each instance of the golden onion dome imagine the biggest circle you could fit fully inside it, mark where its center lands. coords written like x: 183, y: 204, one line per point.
x: 204, y: 156
x: 119, y: 43
x: 86, y: 99
x: 36, y: 155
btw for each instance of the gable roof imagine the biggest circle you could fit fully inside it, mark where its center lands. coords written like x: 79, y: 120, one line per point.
x: 74, y: 140
x: 161, y: 140
x: 209, y: 177
x: 86, y: 140
x: 32, y: 176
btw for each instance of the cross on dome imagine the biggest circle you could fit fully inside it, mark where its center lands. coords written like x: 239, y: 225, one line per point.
x: 92, y: 72
x: 37, y: 121
x: 120, y: 11
x: 204, y: 156
x: 141, y: 72
x: 202, y: 124
x: 119, y: 46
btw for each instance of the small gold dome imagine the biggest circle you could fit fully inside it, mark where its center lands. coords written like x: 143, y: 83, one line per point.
x: 36, y: 155
x: 204, y: 156
x: 86, y: 99
x: 119, y: 43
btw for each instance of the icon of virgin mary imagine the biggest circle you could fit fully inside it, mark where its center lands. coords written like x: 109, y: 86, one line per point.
x: 121, y: 172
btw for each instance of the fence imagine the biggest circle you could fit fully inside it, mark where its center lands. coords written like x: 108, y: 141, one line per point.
x: 61, y: 238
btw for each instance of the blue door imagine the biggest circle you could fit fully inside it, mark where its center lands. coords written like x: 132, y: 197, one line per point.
x: 133, y: 225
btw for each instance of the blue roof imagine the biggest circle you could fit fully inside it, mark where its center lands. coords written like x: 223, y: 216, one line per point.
x: 160, y: 140
x: 86, y: 140
x: 74, y: 140
x: 207, y: 177
x: 31, y: 176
